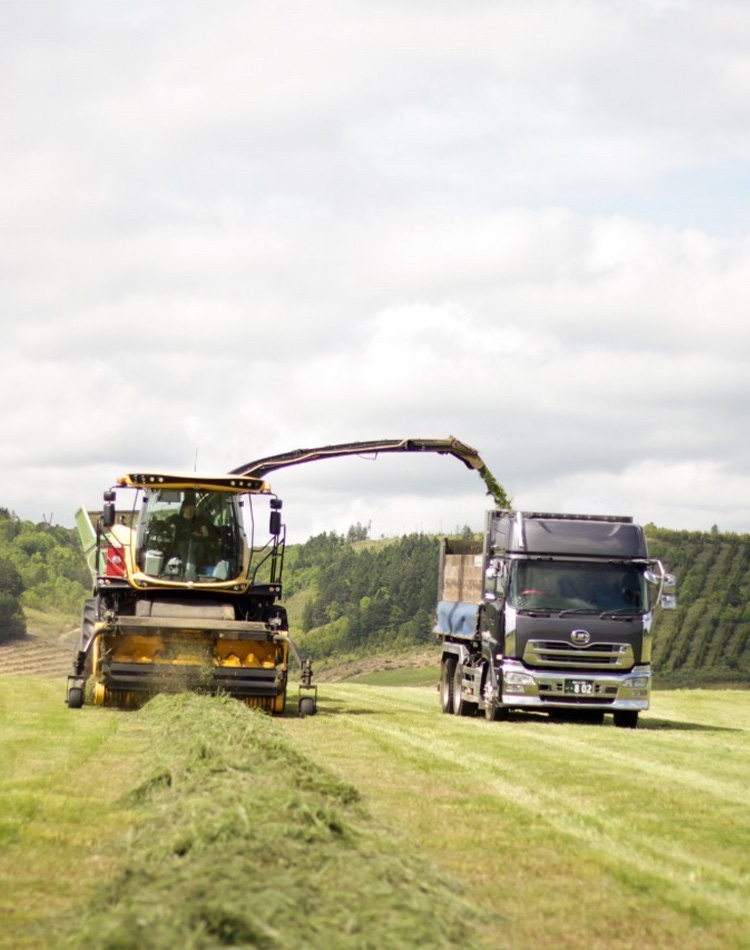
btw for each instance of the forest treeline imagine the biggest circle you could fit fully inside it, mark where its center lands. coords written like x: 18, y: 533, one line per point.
x: 362, y: 596
x: 707, y: 639
x: 351, y: 595
x: 41, y: 567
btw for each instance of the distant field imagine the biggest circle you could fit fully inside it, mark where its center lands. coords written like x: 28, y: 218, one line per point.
x: 198, y: 822
x: 421, y: 676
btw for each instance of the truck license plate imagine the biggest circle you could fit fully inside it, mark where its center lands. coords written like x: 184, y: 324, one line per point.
x: 580, y: 687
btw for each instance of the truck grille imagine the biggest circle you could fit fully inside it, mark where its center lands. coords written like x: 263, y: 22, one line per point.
x: 563, y: 655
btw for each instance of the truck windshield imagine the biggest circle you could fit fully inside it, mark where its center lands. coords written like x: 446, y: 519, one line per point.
x: 189, y: 536
x: 589, y: 588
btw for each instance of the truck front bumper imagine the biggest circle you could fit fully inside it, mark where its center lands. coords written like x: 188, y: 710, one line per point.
x: 549, y: 689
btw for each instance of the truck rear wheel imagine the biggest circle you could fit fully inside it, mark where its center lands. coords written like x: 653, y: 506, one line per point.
x: 447, y: 674
x: 626, y: 719
x: 461, y: 707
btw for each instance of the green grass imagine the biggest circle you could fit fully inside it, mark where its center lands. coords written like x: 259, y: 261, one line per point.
x: 380, y: 822
x: 588, y: 835
x: 246, y: 842
x: 420, y: 676
x: 59, y: 787
x: 49, y: 625
x: 194, y: 823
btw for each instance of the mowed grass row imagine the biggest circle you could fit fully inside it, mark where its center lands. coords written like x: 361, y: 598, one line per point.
x: 61, y: 779
x: 574, y: 835
x: 194, y: 823
x: 380, y: 822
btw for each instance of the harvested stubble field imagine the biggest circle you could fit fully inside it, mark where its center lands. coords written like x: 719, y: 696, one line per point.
x: 379, y: 823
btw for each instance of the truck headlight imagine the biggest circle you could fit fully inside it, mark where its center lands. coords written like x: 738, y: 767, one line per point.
x: 636, y: 682
x: 519, y: 679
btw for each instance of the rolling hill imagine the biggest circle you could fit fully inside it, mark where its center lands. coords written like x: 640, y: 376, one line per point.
x: 351, y: 597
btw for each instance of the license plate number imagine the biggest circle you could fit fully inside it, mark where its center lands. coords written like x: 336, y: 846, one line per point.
x: 580, y: 687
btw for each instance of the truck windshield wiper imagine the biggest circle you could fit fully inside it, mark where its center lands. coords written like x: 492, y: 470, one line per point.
x: 536, y: 611
x: 571, y: 611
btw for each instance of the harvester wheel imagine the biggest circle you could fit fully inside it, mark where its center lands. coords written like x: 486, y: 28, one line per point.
x: 306, y: 707
x: 75, y: 697
x: 90, y: 617
x: 279, y: 704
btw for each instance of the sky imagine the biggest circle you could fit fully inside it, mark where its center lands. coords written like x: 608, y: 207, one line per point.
x: 236, y: 228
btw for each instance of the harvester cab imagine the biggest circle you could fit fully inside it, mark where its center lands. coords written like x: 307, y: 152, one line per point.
x: 187, y: 573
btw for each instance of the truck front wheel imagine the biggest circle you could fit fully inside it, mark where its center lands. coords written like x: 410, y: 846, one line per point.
x: 447, y: 675
x: 626, y: 719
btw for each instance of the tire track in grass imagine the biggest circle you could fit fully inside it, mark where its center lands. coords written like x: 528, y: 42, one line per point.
x: 734, y: 791
x: 692, y: 881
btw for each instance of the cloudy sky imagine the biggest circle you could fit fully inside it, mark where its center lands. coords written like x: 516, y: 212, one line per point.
x: 238, y: 227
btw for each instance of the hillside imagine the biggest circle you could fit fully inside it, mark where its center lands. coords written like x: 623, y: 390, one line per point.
x: 707, y: 639
x: 361, y: 596
x: 350, y: 597
x: 43, y: 577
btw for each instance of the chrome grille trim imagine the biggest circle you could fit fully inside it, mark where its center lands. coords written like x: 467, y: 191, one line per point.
x: 563, y: 655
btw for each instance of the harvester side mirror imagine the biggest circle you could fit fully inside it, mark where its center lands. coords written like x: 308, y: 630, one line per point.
x: 108, y: 512
x: 275, y: 523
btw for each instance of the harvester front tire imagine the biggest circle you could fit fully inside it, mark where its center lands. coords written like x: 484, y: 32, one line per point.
x: 90, y: 617
x: 75, y: 697
x: 306, y: 707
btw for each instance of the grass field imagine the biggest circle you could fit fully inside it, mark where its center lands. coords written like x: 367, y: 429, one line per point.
x: 380, y: 822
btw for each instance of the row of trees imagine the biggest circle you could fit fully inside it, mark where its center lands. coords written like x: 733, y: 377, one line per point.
x: 707, y: 639
x: 365, y: 597
x: 42, y: 567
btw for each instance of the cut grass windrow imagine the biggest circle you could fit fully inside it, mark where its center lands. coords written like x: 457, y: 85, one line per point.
x: 243, y: 841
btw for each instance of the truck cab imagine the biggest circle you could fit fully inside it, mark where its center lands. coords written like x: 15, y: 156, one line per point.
x: 551, y: 612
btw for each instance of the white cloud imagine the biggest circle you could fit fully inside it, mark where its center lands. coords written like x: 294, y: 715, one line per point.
x: 242, y: 229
